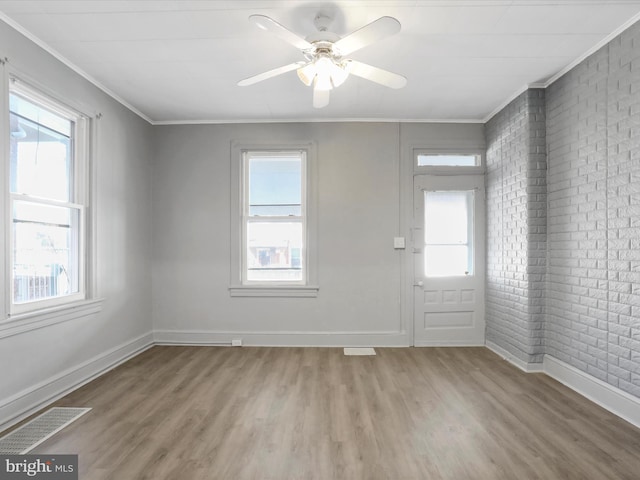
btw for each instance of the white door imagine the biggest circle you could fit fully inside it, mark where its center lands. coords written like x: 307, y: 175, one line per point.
x: 449, y: 260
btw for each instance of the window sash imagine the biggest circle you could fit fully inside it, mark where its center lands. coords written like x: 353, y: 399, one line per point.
x: 77, y: 203
x: 436, y: 246
x: 76, y: 257
x: 248, y: 218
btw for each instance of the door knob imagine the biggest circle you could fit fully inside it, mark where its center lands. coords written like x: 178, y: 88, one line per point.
x: 419, y: 283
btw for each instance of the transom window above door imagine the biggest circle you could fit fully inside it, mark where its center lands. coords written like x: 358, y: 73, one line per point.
x: 448, y: 160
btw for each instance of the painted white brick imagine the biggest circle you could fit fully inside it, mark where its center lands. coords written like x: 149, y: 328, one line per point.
x: 564, y: 221
x: 596, y: 98
x: 517, y: 226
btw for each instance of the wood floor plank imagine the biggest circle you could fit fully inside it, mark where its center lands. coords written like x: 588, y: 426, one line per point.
x: 313, y: 413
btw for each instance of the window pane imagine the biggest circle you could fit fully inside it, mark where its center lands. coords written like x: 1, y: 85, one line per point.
x: 275, y: 186
x: 448, y: 233
x: 274, y: 251
x: 40, y: 151
x: 430, y: 160
x: 446, y: 217
x: 45, y: 253
x: 446, y: 260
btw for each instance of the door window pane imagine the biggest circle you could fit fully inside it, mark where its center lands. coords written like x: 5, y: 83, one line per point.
x: 447, y: 260
x: 448, y: 233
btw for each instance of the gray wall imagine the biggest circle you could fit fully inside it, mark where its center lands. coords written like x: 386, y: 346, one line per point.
x: 359, y: 271
x: 593, y: 130
x: 37, y: 363
x: 516, y: 227
x: 360, y: 210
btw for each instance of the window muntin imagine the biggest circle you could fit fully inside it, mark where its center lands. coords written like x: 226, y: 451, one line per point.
x: 46, y: 211
x: 447, y: 160
x: 274, y: 218
x: 448, y: 249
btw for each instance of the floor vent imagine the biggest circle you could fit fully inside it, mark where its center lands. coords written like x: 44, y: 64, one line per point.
x: 359, y: 351
x: 24, y: 439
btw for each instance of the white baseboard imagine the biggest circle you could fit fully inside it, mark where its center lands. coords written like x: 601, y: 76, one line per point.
x: 617, y: 401
x: 25, y: 403
x: 511, y: 358
x: 283, y: 339
x: 448, y: 344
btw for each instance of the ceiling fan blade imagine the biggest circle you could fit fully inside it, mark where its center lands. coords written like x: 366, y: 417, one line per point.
x: 270, y: 73
x: 320, y: 97
x: 376, y: 30
x: 270, y: 25
x: 375, y: 74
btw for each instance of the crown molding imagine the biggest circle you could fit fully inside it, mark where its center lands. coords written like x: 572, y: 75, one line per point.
x: 19, y: 28
x: 223, y: 121
x: 58, y: 56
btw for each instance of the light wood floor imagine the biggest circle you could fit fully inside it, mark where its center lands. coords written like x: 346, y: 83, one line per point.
x: 311, y: 413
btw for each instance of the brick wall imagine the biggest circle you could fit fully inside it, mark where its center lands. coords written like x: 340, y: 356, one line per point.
x: 586, y: 302
x: 593, y: 132
x: 623, y: 211
x: 516, y: 227
x: 577, y: 242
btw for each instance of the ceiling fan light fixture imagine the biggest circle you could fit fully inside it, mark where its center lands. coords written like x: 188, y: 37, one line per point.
x: 326, y: 66
x: 307, y: 73
x: 323, y: 81
x: 323, y: 72
x: 338, y: 74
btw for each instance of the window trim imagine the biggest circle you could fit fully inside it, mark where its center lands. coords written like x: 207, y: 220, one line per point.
x: 237, y: 285
x: 18, y: 315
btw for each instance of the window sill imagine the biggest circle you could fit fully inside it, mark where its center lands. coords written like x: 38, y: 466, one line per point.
x: 25, y: 322
x: 290, y: 291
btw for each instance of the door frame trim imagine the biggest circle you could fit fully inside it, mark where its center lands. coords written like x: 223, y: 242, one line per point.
x: 409, y: 169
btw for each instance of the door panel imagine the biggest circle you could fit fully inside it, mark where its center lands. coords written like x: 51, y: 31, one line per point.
x: 449, y: 263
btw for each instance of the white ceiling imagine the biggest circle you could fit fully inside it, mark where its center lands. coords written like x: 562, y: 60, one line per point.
x: 180, y: 61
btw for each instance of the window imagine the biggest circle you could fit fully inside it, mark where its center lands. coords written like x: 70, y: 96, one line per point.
x: 448, y: 233
x: 274, y: 218
x: 47, y: 201
x: 448, y: 160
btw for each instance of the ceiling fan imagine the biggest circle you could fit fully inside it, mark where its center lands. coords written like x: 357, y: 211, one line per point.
x: 325, y: 66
